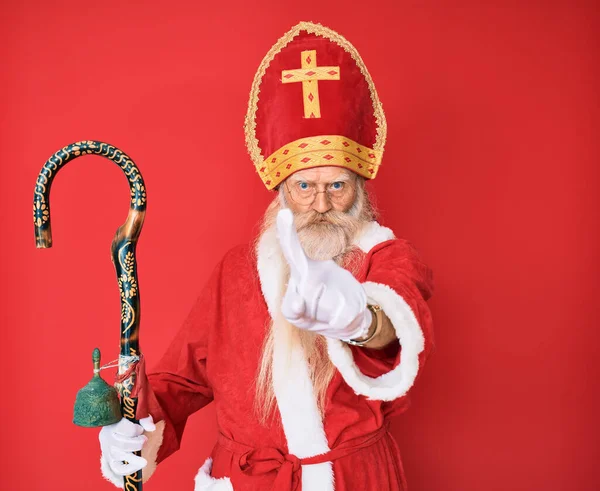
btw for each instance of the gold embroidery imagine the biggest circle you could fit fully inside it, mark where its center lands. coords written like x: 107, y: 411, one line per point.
x: 315, y: 151
x: 250, y: 120
x: 309, y: 75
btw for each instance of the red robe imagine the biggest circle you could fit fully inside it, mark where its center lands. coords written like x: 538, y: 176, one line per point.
x: 215, y: 356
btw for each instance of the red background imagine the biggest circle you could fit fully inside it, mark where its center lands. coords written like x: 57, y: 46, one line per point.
x: 491, y: 169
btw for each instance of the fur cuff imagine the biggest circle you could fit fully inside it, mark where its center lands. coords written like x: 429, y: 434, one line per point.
x: 398, y: 381
x: 205, y: 482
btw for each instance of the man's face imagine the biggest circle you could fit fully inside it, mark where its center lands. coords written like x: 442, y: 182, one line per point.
x: 322, y: 201
x: 335, y: 189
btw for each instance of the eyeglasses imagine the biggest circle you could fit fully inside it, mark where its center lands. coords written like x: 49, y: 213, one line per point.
x: 305, y: 193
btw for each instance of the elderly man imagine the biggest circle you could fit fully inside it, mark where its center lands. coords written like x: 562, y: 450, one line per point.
x: 308, y: 339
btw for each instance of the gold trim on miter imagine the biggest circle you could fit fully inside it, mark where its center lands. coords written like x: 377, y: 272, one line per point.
x: 250, y: 121
x: 319, y: 151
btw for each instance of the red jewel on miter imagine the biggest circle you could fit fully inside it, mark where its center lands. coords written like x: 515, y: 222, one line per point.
x: 312, y: 104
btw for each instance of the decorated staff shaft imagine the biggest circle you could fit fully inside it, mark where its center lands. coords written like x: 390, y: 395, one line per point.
x: 123, y: 257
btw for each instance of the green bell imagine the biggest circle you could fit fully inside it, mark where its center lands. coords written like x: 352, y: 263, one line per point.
x: 96, y: 404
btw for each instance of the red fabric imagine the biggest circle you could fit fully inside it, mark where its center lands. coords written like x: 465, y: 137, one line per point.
x: 140, y: 386
x: 400, y: 267
x: 287, y: 467
x: 346, y: 105
x: 216, y: 353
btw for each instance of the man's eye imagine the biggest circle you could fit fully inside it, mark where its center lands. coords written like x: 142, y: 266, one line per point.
x: 337, y: 185
x: 303, y: 186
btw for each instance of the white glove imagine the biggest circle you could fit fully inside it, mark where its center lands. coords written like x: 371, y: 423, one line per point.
x: 321, y: 296
x: 118, y: 442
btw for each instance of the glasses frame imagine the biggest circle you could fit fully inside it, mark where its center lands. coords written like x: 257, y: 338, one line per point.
x: 350, y: 182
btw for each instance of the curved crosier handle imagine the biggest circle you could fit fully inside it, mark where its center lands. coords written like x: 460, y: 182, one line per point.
x: 122, y: 252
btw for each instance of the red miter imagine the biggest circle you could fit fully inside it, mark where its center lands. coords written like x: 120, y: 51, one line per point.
x: 313, y: 104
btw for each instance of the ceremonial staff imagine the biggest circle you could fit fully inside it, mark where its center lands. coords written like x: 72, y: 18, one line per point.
x: 124, y: 261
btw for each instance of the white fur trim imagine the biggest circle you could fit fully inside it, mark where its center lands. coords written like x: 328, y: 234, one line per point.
x: 150, y: 449
x: 205, y: 482
x: 269, y: 264
x: 373, y: 234
x: 398, y: 381
x: 300, y: 417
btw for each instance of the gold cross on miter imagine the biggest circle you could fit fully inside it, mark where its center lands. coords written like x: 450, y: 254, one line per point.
x: 309, y: 75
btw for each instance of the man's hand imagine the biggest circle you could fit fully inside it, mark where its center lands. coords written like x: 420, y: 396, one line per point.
x: 118, y: 442
x: 321, y: 296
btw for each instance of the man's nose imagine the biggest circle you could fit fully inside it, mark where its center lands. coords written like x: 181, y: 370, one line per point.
x: 321, y: 203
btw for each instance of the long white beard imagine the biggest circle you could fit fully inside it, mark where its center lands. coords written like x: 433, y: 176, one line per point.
x: 323, y: 241
x: 329, y: 235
